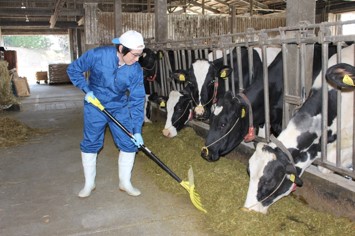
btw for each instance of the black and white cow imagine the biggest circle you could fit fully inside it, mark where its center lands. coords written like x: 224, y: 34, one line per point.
x: 272, y: 173
x: 179, y: 110
x: 208, y: 81
x: 230, y: 121
x: 233, y: 121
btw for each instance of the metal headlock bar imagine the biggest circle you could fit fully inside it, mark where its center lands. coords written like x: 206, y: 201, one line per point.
x: 298, y: 38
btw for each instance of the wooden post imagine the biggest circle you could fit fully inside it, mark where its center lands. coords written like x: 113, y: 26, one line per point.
x: 297, y: 12
x: 161, y: 21
x: 118, y: 17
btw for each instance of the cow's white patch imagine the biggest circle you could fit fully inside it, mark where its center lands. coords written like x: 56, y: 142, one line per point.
x: 219, y: 54
x: 271, y: 53
x: 257, y: 164
x: 169, y: 129
x: 217, y: 110
x: 200, y: 68
x: 146, y: 119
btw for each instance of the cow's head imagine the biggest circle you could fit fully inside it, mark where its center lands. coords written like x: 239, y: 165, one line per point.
x: 148, y: 62
x: 228, y: 126
x: 272, y: 176
x: 179, y: 110
x: 205, y: 75
x: 341, y: 75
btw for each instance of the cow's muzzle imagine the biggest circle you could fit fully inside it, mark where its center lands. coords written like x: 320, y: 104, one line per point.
x: 205, y: 155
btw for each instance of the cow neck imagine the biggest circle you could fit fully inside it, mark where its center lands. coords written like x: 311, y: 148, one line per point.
x: 155, y: 68
x: 251, y: 131
x: 280, y: 145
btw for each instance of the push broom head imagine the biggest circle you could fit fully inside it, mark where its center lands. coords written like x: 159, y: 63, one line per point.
x: 190, y: 187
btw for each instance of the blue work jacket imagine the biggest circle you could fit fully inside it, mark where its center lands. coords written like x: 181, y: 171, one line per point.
x: 115, y: 87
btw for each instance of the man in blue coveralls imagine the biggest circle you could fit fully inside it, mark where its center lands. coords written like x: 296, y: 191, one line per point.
x: 116, y: 80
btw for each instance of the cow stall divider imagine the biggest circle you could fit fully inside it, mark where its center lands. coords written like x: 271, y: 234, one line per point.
x: 296, y: 44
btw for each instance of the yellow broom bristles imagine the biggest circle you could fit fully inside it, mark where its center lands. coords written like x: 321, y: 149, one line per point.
x: 195, y: 197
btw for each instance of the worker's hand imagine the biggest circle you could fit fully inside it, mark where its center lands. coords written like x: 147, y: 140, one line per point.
x: 88, y: 95
x: 138, y: 140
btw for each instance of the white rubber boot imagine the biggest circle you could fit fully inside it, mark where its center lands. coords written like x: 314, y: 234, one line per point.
x: 125, y: 166
x: 89, y: 165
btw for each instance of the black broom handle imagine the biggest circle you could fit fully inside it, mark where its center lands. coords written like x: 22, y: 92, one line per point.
x: 149, y: 153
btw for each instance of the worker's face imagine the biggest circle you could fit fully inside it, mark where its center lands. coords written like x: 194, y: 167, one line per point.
x: 132, y: 56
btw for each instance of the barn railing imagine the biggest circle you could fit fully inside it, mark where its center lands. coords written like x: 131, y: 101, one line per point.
x: 298, y: 40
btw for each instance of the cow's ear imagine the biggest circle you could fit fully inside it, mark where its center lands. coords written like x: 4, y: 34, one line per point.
x: 243, y: 112
x: 179, y: 76
x: 341, y: 75
x: 225, y: 72
x: 293, y: 176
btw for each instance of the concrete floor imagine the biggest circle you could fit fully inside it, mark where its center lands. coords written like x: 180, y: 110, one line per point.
x: 40, y: 180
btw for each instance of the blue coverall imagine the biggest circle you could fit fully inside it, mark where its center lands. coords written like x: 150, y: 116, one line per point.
x: 119, y: 89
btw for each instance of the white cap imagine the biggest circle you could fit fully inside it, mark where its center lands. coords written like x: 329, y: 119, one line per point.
x: 130, y: 39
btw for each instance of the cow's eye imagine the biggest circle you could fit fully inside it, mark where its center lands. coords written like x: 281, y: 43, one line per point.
x: 222, y: 125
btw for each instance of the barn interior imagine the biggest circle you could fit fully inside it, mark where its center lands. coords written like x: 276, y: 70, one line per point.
x: 41, y: 175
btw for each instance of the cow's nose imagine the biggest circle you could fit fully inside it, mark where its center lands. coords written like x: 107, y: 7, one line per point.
x: 245, y: 209
x: 199, y: 110
x: 204, y: 152
x: 166, y: 132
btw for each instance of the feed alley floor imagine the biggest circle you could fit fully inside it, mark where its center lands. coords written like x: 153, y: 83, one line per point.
x: 40, y: 180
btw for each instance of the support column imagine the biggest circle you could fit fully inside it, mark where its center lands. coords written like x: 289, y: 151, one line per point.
x: 297, y: 12
x: 161, y: 21
x: 118, y: 18
x: 90, y: 28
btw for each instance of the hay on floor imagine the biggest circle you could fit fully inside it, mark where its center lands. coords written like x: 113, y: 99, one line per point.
x: 13, y: 132
x: 223, y: 186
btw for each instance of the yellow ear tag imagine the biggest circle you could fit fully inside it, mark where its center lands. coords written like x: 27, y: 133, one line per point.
x: 162, y: 104
x: 292, y: 178
x: 347, y: 80
x: 181, y: 77
x: 223, y: 74
x: 243, y: 113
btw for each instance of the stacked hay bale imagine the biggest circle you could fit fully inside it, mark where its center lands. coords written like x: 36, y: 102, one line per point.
x: 7, y: 97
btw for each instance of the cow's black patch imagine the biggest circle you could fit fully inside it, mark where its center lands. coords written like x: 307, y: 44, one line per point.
x: 305, y: 139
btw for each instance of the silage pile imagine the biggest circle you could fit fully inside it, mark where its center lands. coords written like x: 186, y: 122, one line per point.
x: 223, y: 185
x: 13, y: 132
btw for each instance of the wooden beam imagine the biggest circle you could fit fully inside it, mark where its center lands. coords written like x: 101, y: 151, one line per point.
x: 38, y: 12
x: 58, y: 7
